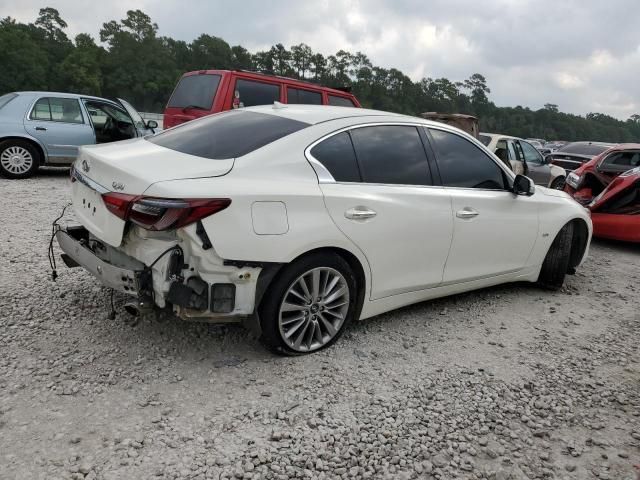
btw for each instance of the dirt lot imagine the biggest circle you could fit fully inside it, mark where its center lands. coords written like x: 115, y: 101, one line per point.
x: 509, y: 382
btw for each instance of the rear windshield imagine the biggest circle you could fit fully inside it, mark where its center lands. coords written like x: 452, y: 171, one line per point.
x: 4, y: 99
x: 195, y: 91
x: 584, y: 148
x: 485, y: 139
x: 227, y: 135
x: 340, y: 101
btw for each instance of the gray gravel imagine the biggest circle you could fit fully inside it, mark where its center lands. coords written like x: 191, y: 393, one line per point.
x: 506, y: 383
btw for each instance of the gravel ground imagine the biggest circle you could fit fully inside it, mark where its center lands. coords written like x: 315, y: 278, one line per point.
x: 505, y: 383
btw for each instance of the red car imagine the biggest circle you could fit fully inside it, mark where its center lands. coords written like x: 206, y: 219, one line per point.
x: 609, y: 185
x: 204, y: 92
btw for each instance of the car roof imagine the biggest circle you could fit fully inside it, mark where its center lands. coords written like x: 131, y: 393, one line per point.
x: 61, y: 95
x: 313, y: 114
x: 272, y: 77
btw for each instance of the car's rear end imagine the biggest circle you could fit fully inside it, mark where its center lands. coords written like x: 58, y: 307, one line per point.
x: 156, y: 247
x: 197, y: 94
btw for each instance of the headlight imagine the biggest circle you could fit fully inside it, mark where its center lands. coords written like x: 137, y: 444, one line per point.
x: 573, y: 180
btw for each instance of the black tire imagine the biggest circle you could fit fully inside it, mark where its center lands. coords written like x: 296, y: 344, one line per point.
x: 269, y: 309
x: 19, y: 145
x: 557, y: 184
x: 556, y: 263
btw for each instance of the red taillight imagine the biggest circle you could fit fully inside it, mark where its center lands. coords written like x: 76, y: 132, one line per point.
x: 162, y: 213
x: 118, y: 203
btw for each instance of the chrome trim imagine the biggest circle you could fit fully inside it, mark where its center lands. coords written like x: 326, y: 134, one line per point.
x: 75, y: 174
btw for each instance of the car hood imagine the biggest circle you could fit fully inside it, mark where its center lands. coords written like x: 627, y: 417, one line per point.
x: 552, y: 192
x: 132, y: 166
x: 614, y: 196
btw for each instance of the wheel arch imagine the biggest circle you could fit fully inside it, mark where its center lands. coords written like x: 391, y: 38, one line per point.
x: 270, y: 273
x: 32, y: 141
x: 579, y: 242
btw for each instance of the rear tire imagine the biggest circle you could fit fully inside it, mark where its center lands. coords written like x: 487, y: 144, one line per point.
x: 308, y: 305
x: 556, y: 263
x: 18, y: 159
x: 557, y: 183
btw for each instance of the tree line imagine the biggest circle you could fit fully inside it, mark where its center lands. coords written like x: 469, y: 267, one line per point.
x: 135, y: 63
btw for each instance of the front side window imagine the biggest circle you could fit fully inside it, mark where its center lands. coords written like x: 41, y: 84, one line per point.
x: 227, y: 135
x: 531, y: 154
x: 65, y: 110
x: 297, y: 95
x: 249, y: 93
x: 340, y: 101
x: 195, y: 91
x: 463, y: 164
x: 337, y: 155
x: 391, y: 154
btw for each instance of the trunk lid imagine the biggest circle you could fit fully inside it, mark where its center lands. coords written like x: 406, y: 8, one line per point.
x: 129, y: 167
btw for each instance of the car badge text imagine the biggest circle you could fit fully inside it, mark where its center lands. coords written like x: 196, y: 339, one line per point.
x: 85, y: 166
x: 117, y: 186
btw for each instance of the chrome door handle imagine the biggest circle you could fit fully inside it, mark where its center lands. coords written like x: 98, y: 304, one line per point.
x: 467, y: 212
x: 359, y: 213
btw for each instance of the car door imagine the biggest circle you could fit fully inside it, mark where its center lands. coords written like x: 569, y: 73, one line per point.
x: 537, y: 169
x: 494, y: 230
x: 379, y: 192
x: 58, y: 123
x: 136, y: 118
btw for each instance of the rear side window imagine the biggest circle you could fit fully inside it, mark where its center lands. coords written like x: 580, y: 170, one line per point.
x: 462, y: 164
x: 4, y: 99
x: 391, y: 154
x: 297, y: 95
x: 251, y: 93
x: 337, y: 155
x: 195, y: 91
x: 227, y: 135
x: 65, y: 110
x: 340, y: 101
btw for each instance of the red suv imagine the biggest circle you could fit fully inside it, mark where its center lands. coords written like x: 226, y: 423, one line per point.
x: 205, y: 92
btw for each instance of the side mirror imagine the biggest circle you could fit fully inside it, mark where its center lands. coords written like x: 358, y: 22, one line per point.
x: 523, y: 186
x: 152, y: 124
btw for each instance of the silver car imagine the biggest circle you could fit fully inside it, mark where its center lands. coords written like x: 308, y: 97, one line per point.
x: 46, y: 128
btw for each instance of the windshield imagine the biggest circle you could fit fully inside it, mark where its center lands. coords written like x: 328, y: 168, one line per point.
x: 581, y: 148
x: 195, y: 91
x: 227, y: 135
x: 4, y: 99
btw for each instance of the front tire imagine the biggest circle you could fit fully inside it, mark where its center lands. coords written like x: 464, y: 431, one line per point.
x: 557, y: 183
x: 18, y: 159
x: 556, y: 263
x: 309, y: 305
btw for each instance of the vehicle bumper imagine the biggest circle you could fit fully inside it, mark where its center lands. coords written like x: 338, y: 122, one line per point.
x: 78, y: 254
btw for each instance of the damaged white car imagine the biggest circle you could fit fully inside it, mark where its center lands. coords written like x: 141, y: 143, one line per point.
x: 299, y: 219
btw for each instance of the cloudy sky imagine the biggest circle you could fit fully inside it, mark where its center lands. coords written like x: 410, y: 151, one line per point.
x: 583, y: 55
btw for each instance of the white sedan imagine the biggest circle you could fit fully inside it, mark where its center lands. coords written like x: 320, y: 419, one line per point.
x: 297, y: 220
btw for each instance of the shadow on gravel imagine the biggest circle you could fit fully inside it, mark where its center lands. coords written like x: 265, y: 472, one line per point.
x: 624, y: 247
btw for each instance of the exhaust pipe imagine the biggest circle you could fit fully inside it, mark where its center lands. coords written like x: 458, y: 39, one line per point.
x: 139, y: 308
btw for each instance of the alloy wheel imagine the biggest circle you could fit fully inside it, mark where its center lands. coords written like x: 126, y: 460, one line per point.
x: 313, y: 309
x: 16, y: 160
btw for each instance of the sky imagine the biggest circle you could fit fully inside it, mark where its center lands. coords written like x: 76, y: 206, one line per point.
x: 583, y: 55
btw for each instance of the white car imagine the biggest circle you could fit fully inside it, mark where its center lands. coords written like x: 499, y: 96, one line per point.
x: 525, y: 159
x: 299, y: 219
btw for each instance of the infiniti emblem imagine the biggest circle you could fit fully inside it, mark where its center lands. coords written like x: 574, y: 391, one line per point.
x: 85, y: 166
